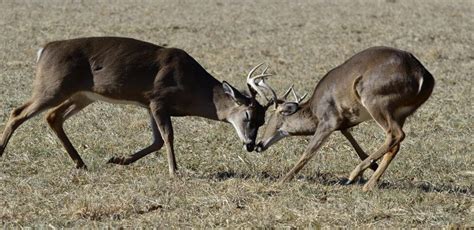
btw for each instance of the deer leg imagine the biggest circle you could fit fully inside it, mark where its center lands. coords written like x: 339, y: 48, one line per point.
x: 56, y: 117
x: 394, y: 135
x: 13, y: 122
x: 163, y: 122
x: 387, y: 158
x: 362, y: 155
x: 155, y: 146
x: 22, y: 114
x: 322, y: 133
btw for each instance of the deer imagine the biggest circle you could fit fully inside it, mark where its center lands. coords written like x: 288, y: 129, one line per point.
x: 380, y: 83
x: 72, y: 74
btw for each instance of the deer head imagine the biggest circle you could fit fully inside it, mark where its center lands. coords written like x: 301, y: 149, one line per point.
x: 283, y: 122
x: 247, y: 114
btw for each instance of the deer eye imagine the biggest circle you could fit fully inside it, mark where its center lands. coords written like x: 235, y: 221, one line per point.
x: 247, y: 116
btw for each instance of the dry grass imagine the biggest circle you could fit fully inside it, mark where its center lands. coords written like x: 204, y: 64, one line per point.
x: 430, y: 183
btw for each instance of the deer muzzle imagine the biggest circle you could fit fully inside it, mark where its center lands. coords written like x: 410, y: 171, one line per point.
x: 260, y: 147
x: 249, y: 146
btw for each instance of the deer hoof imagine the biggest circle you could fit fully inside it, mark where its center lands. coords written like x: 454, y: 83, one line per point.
x: 286, y: 179
x: 81, y: 166
x: 368, y: 187
x: 249, y: 147
x: 259, y: 147
x: 116, y: 160
x: 348, y: 182
x: 374, y: 166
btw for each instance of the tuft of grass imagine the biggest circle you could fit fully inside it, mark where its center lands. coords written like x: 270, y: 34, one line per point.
x: 429, y: 184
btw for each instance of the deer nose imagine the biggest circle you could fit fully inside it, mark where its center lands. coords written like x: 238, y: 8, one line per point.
x: 250, y: 146
x: 259, y: 147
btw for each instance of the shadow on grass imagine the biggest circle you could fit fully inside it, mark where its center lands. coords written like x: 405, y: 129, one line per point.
x: 426, y: 186
x: 330, y: 179
x: 322, y: 178
x: 226, y: 175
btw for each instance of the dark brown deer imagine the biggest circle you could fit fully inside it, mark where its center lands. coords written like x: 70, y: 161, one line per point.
x: 379, y: 83
x: 71, y: 74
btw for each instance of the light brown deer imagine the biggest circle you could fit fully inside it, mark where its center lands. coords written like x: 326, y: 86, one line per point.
x: 72, y: 74
x: 379, y: 83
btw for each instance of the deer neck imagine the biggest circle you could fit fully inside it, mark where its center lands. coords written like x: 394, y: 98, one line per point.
x: 302, y: 122
x: 222, y: 103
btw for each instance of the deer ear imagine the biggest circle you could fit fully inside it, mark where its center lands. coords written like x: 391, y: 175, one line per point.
x: 234, y: 93
x: 288, y: 108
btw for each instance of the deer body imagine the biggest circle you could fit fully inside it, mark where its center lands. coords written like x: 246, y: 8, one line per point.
x: 71, y: 74
x: 380, y: 83
x: 128, y: 71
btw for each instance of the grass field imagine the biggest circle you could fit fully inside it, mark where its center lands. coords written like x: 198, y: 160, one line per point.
x: 430, y: 183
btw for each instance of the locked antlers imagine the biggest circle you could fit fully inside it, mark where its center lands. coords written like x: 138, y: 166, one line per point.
x: 257, y: 83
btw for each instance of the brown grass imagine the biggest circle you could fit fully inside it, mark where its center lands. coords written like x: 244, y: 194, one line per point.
x: 430, y: 183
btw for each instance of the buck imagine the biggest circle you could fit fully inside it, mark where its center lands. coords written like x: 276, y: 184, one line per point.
x: 379, y: 83
x: 72, y: 74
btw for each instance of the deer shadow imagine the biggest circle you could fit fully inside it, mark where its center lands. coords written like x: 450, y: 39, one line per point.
x: 330, y: 179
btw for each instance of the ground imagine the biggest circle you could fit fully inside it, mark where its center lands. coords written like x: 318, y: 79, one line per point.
x: 430, y: 182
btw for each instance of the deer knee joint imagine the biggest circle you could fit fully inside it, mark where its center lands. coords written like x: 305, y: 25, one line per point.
x: 51, y: 118
x: 400, y: 136
x: 17, y: 112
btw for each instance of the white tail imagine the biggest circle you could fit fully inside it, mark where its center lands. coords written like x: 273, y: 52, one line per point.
x: 38, y: 54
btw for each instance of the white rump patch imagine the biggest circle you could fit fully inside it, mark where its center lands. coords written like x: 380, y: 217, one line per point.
x: 38, y: 54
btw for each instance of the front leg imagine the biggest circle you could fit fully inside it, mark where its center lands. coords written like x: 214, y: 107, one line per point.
x: 163, y: 121
x: 322, y: 133
x: 362, y: 155
x: 155, y: 146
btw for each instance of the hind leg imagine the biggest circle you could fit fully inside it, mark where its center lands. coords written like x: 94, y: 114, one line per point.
x: 394, y: 135
x: 22, y: 114
x: 387, y: 158
x: 56, y: 118
x: 13, y: 122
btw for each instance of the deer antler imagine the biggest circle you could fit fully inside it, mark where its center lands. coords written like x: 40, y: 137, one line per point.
x: 292, y: 90
x: 267, y: 87
x: 255, y: 86
x: 285, y: 95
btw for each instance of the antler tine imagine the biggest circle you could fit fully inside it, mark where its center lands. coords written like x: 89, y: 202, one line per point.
x: 265, y: 70
x: 298, y: 99
x: 294, y: 94
x: 267, y: 87
x: 253, y: 70
x: 253, y: 85
x: 302, y: 98
x: 285, y: 95
x: 259, y: 92
x: 250, y: 83
x: 263, y: 74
